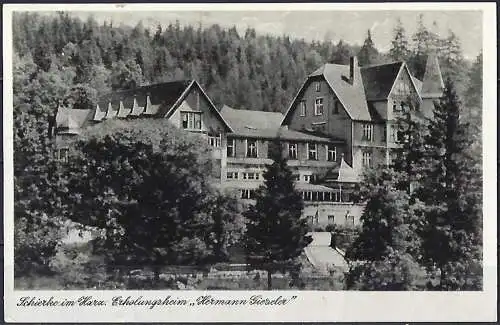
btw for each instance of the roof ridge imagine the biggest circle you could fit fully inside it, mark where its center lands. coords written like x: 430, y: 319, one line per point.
x: 381, y: 64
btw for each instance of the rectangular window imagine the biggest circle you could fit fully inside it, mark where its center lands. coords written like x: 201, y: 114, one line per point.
x: 62, y: 154
x: 394, y: 107
x: 292, y: 151
x: 312, y: 151
x: 367, y: 159
x: 336, y: 107
x: 368, y: 132
x: 251, y: 148
x: 331, y: 219
x: 308, y: 196
x: 331, y: 152
x: 214, y: 141
x: 318, y: 106
x: 232, y: 175
x: 296, y: 177
x: 307, y: 178
x: 384, y: 134
x: 247, y: 194
x: 230, y: 148
x: 394, y: 133
x: 251, y: 176
x: 302, y: 106
x: 191, y: 120
x: 318, y: 86
x: 403, y: 106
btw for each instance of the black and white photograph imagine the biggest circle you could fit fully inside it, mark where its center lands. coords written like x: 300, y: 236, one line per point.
x: 230, y: 150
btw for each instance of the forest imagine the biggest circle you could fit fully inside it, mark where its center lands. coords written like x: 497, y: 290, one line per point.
x: 250, y: 71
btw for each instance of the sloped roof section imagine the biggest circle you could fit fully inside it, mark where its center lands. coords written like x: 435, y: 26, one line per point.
x: 161, y: 97
x: 379, y: 79
x: 352, y: 96
x: 242, y: 119
x: 432, y: 83
x: 70, y: 120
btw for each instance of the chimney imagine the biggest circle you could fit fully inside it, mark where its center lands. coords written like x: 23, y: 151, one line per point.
x: 353, y: 63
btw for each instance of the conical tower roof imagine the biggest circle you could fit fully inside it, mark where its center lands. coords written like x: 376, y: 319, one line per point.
x: 432, y: 84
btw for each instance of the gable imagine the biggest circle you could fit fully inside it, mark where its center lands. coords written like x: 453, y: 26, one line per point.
x: 194, y: 99
x: 403, y: 85
x: 378, y: 80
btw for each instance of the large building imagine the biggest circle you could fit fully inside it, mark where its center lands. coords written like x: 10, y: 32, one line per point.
x: 341, y: 121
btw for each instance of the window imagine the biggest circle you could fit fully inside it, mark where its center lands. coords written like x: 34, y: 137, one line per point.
x: 331, y: 219
x: 318, y: 106
x: 214, y: 141
x: 313, y: 151
x: 318, y: 86
x: 232, y: 175
x: 251, y: 176
x: 230, y: 148
x: 384, y: 134
x: 62, y: 154
x: 302, y: 106
x: 191, y: 120
x: 392, y: 157
x: 296, y: 177
x: 331, y: 153
x: 307, y: 178
x: 368, y: 132
x: 367, y: 159
x: 394, y: 133
x: 247, y: 194
x: 307, y: 196
x: 403, y: 106
x: 336, y: 107
x: 394, y: 107
x: 292, y: 151
x: 251, y: 148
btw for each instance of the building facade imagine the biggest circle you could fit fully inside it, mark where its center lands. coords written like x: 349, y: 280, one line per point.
x: 341, y: 121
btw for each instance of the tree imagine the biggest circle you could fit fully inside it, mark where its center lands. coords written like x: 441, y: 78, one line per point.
x: 147, y: 184
x: 399, y: 45
x: 368, y: 54
x: 276, y: 232
x: 474, y: 92
x: 452, y: 187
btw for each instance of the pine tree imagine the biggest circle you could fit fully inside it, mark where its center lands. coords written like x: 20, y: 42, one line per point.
x: 399, y: 49
x: 452, y: 194
x: 276, y: 234
x: 368, y: 54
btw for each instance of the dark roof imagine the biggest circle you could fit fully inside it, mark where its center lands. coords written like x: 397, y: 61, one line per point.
x: 282, y: 133
x: 379, y: 79
x: 352, y: 96
x: 241, y: 119
x: 162, y: 96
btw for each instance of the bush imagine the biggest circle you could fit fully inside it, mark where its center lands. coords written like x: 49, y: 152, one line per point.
x: 391, y: 273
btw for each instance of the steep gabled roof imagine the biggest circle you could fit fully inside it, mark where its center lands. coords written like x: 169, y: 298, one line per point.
x: 352, y: 96
x: 70, y: 120
x: 379, y: 79
x: 241, y: 119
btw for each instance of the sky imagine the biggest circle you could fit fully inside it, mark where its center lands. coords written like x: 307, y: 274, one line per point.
x: 350, y: 26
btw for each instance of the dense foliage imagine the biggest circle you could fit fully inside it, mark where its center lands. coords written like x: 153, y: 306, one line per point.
x: 276, y: 231
x: 259, y: 72
x: 424, y: 211
x: 148, y: 185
